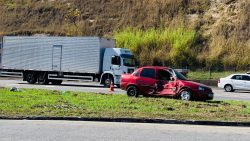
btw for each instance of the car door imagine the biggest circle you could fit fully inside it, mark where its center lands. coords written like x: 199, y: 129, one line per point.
x: 246, y: 80
x: 147, y: 80
x: 169, y: 85
x: 237, y: 82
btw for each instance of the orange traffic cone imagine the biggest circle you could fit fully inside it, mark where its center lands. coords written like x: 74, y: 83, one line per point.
x: 111, y: 88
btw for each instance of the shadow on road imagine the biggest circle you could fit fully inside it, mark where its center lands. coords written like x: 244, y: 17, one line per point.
x: 77, y: 85
x: 68, y: 85
x: 242, y: 92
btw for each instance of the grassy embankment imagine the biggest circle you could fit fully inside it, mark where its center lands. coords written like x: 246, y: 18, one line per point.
x: 178, y: 47
x: 166, y: 46
x: 195, y: 33
x: 32, y: 103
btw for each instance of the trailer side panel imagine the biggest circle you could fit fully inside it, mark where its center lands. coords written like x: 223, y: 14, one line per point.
x: 67, y: 54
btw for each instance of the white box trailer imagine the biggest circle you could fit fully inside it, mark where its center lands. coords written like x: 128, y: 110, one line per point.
x: 53, y: 59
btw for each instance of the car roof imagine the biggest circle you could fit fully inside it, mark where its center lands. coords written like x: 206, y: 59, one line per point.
x: 240, y: 74
x: 155, y: 67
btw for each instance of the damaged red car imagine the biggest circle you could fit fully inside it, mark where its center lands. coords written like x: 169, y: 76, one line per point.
x: 164, y: 82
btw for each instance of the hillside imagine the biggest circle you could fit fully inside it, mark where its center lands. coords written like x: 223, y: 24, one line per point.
x: 222, y: 26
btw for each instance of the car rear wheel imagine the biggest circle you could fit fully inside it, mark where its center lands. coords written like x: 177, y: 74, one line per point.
x: 228, y: 88
x: 185, y: 95
x: 132, y: 91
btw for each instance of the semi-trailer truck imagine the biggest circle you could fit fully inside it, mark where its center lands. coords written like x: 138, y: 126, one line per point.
x: 47, y: 60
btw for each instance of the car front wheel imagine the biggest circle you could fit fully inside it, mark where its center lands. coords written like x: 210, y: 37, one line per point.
x: 185, y: 95
x: 132, y: 91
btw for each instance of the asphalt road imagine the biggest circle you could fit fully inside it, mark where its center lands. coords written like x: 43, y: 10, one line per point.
x: 24, y: 130
x: 219, y: 94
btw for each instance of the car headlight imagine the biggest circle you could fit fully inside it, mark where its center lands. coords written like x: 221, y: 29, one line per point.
x: 200, y: 88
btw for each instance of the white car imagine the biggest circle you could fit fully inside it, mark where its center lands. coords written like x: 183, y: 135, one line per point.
x: 235, y: 82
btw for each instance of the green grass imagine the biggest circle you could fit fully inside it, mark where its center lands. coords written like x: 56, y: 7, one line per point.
x: 31, y: 103
x: 205, y: 75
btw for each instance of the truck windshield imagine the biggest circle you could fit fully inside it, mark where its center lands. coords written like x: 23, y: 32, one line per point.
x: 129, y: 62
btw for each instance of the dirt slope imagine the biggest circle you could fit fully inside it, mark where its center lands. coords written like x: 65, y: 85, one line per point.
x: 220, y: 22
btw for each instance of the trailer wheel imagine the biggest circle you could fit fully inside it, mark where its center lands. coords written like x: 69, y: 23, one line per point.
x: 42, y: 79
x: 31, y: 77
x: 56, y: 82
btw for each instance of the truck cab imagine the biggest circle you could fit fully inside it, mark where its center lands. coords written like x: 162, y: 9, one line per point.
x: 116, y: 61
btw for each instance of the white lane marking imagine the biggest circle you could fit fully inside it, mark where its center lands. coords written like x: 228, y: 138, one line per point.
x: 13, y: 84
x: 49, y: 86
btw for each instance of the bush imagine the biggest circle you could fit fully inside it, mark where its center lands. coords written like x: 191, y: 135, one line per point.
x: 159, y: 46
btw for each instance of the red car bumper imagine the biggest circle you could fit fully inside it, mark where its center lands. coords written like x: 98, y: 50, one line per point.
x: 202, y: 95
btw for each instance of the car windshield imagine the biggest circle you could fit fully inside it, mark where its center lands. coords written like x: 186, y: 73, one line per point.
x: 128, y: 60
x: 179, y: 75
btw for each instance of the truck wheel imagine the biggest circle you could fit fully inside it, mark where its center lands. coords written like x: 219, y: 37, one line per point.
x: 185, y: 95
x: 132, y: 91
x: 42, y: 79
x: 31, y: 78
x: 107, y: 81
x: 56, y: 82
